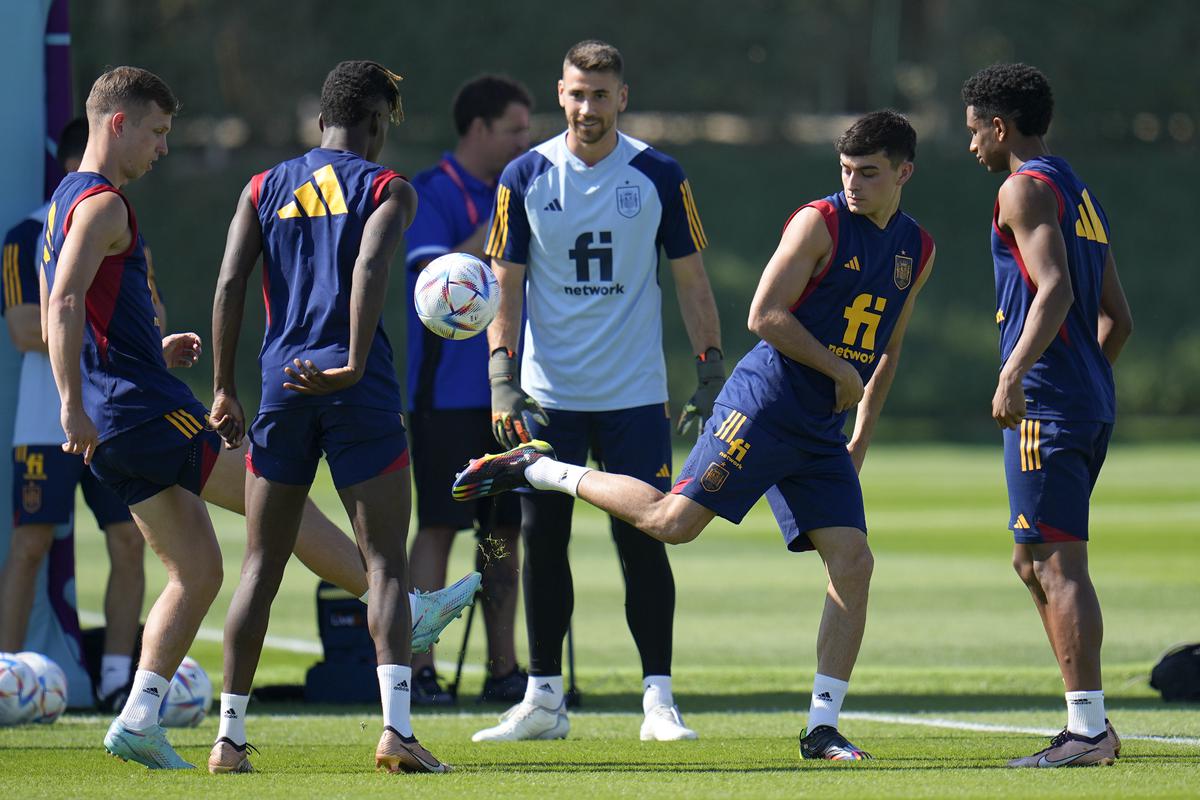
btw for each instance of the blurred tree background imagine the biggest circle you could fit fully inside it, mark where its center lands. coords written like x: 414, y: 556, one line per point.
x: 749, y: 97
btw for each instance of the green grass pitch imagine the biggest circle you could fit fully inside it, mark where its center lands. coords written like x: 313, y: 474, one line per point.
x: 954, y: 677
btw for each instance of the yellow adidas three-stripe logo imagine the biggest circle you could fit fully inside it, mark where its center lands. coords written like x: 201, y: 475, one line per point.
x: 184, y: 422
x: 498, y: 236
x: 12, y: 276
x: 1031, y: 442
x: 693, y: 216
x: 1089, y: 226
x: 1021, y: 523
x: 312, y: 203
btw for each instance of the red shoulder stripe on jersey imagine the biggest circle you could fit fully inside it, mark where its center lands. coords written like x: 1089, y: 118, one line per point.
x: 926, y: 251
x: 380, y: 183
x: 256, y: 187
x: 266, y: 293
x: 829, y: 213
x: 100, y: 301
x: 1046, y: 179
x: 92, y: 192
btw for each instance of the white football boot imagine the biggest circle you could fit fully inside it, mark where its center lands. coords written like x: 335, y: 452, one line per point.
x: 526, y: 721
x: 663, y: 723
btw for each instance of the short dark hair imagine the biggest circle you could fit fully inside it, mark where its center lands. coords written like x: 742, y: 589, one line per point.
x: 487, y: 97
x: 593, y: 55
x: 119, y: 88
x: 352, y: 87
x: 1012, y: 91
x: 72, y: 142
x: 886, y: 130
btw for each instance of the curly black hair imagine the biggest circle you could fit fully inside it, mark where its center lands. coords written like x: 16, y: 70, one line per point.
x: 350, y: 89
x: 886, y: 130
x: 1012, y: 91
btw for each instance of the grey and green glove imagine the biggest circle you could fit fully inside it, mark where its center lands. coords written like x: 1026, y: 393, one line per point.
x: 510, y: 404
x: 710, y: 370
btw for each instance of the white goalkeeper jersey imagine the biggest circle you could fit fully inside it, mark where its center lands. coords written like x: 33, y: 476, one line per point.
x: 589, y: 238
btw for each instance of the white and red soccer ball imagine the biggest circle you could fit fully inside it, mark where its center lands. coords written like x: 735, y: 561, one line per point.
x: 188, y: 698
x: 456, y: 296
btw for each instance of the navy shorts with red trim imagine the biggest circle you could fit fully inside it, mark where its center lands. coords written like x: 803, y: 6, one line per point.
x: 359, y: 444
x: 1051, y: 468
x: 44, y: 481
x: 628, y: 441
x: 735, y: 462
x: 177, y: 449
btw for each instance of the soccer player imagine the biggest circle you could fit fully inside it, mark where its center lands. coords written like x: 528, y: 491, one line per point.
x: 1063, y: 320
x: 327, y: 225
x: 447, y: 382
x: 831, y: 307
x: 141, y: 430
x: 577, y: 226
x: 44, y: 477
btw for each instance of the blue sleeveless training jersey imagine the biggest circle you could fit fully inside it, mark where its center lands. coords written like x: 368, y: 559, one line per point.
x: 851, y: 306
x: 1073, y: 379
x: 125, y: 379
x: 313, y: 210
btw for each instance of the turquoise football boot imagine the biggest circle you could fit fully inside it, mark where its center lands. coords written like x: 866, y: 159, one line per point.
x: 148, y: 747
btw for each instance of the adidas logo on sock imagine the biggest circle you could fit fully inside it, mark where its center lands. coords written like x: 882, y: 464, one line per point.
x: 151, y: 690
x: 825, y: 696
x: 545, y: 687
x: 402, y: 686
x: 230, y: 714
x: 553, y: 205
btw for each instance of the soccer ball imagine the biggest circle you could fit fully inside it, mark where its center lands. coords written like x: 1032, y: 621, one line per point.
x: 18, y: 691
x: 51, y: 699
x: 188, y: 697
x: 456, y: 296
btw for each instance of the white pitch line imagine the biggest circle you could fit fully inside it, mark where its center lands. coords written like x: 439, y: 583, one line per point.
x: 285, y: 643
x: 987, y: 727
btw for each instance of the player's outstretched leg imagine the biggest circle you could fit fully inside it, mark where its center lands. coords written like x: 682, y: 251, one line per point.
x: 499, y: 472
x: 433, y: 611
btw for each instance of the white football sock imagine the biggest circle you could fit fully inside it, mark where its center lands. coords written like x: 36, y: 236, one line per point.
x: 547, y: 473
x: 233, y: 717
x: 1085, y: 713
x: 827, y: 696
x: 656, y: 691
x: 145, y: 699
x: 545, y: 691
x: 394, y: 689
x: 114, y: 673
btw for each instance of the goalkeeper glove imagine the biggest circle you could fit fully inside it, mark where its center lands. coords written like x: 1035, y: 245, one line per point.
x: 509, y: 403
x: 710, y: 370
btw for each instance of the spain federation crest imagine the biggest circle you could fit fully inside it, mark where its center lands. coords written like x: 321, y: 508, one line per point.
x: 31, y: 497
x: 903, y: 273
x: 714, y: 477
x: 629, y: 201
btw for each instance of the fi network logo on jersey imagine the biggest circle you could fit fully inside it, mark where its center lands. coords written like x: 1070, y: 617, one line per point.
x: 310, y: 203
x: 862, y: 318
x: 593, y: 247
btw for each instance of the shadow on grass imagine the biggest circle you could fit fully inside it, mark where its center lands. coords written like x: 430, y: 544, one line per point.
x: 734, y: 702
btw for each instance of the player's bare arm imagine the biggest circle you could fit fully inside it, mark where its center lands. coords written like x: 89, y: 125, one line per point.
x: 1115, y: 324
x: 100, y: 227
x: 25, y: 327
x: 243, y: 245
x: 1029, y: 210
x: 160, y: 310
x: 696, y: 303
x: 505, y: 330
x: 876, y: 391
x: 805, y: 244
x: 368, y: 286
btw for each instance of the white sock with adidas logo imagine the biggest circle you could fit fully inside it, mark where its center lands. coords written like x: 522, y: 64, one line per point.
x: 547, y: 473
x: 233, y: 717
x: 827, y: 696
x: 545, y: 691
x: 395, y: 682
x: 1085, y: 713
x: 145, y: 699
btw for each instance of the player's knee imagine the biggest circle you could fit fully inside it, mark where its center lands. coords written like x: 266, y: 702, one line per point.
x: 29, y: 547
x: 1023, y: 566
x: 851, y: 565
